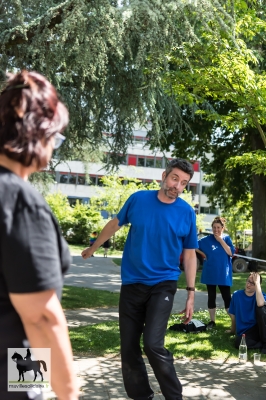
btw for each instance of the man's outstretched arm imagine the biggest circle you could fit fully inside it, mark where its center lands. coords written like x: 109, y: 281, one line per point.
x: 109, y: 230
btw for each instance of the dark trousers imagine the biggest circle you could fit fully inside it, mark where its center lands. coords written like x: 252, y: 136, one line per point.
x: 225, y: 292
x: 146, y: 309
x: 256, y: 336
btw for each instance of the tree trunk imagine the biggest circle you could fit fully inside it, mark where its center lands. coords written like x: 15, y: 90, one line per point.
x: 259, y: 207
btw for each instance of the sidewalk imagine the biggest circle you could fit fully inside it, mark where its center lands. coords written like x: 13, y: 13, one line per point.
x: 101, y: 378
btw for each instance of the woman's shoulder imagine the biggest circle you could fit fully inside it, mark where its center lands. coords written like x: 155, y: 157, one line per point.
x: 14, y: 192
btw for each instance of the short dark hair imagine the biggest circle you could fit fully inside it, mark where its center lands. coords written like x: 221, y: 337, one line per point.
x: 180, y: 163
x: 219, y: 220
x: 30, y: 114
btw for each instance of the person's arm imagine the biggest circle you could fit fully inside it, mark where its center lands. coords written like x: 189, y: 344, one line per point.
x: 201, y: 253
x: 233, y: 324
x: 109, y: 230
x: 190, y: 269
x: 259, y: 296
x: 224, y: 245
x: 45, y: 326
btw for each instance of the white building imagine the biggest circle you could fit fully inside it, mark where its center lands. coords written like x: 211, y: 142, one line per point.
x: 139, y: 162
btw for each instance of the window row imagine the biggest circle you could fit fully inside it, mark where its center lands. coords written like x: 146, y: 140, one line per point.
x: 209, y: 210
x: 78, y: 179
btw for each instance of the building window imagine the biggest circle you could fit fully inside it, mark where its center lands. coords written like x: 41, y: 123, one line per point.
x: 209, y: 210
x: 141, y: 161
x: 203, y: 189
x: 100, y: 182
x: 150, y: 162
x: 73, y: 200
x: 92, y: 180
x: 63, y: 178
x: 122, y: 160
x: 158, y: 163
x: 72, y: 179
x: 81, y: 180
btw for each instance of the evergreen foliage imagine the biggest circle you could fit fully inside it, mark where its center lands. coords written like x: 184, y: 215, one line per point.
x: 106, y: 58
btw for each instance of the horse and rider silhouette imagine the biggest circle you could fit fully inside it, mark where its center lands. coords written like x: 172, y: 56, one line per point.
x: 27, y: 364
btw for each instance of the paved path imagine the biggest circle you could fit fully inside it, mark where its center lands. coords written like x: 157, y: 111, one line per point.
x: 102, y: 273
x: 101, y: 379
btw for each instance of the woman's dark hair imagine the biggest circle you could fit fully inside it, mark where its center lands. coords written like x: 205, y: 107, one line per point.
x: 219, y: 220
x: 182, y: 164
x: 30, y: 114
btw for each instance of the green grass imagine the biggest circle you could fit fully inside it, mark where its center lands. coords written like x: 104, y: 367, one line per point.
x: 239, y: 280
x: 80, y: 297
x: 103, y: 339
x: 117, y: 261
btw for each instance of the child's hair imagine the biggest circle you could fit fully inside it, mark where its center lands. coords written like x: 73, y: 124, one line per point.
x: 219, y: 220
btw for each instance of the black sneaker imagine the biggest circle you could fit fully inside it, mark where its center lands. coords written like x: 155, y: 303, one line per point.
x: 211, y: 325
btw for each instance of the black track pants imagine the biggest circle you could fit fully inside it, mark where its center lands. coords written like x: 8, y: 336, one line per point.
x: 146, y: 309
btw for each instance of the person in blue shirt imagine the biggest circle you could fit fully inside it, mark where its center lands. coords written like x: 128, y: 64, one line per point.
x: 162, y: 226
x: 217, y: 250
x: 248, y: 314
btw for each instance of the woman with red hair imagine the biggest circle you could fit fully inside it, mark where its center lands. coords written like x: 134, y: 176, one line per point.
x: 33, y: 254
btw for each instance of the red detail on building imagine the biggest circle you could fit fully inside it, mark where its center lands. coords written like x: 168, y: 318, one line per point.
x: 132, y: 160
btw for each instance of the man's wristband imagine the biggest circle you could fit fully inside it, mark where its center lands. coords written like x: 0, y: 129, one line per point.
x: 191, y: 289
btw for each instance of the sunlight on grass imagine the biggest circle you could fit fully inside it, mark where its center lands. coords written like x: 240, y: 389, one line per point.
x: 80, y: 297
x: 101, y: 339
x: 97, y: 339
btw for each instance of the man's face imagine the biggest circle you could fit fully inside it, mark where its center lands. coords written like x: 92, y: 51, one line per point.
x: 174, y: 183
x: 250, y: 285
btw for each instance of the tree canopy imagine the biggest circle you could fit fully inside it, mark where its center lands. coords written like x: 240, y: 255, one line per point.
x: 106, y: 58
x: 195, y: 69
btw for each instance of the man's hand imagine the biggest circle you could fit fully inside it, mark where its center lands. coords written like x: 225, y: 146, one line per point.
x: 256, y: 278
x: 87, y: 253
x: 188, y: 311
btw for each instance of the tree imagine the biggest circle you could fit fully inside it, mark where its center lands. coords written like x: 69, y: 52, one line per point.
x: 76, y: 222
x: 239, y: 218
x: 106, y: 58
x: 42, y: 181
x: 222, y: 88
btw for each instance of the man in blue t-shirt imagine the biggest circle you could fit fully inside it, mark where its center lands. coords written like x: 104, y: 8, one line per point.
x: 248, y: 314
x: 162, y: 226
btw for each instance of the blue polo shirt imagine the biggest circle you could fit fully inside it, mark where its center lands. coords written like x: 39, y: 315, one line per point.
x: 243, y: 307
x: 158, y: 233
x: 217, y: 268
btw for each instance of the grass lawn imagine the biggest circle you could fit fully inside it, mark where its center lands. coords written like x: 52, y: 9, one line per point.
x: 239, y: 280
x: 103, y: 339
x: 79, y: 297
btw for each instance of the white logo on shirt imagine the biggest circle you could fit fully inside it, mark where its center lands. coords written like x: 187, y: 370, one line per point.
x: 167, y: 298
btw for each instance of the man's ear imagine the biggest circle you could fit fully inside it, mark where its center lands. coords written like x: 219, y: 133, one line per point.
x: 163, y: 175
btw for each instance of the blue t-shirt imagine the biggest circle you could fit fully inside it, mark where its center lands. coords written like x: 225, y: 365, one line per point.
x: 243, y: 307
x: 217, y: 268
x: 157, y: 236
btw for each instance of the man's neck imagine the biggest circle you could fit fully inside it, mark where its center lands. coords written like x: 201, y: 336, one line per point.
x: 249, y: 294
